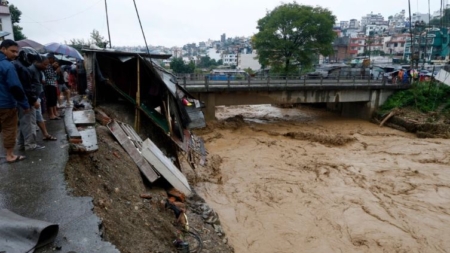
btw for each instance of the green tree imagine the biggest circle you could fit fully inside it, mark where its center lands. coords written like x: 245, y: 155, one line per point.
x: 95, y: 38
x: 98, y: 40
x: 178, y: 66
x: 292, y: 35
x: 15, y: 19
x: 444, y: 21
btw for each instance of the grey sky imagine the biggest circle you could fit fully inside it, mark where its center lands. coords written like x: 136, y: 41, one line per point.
x: 176, y: 22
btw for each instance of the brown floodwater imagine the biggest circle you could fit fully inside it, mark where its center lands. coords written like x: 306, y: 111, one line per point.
x: 307, y: 180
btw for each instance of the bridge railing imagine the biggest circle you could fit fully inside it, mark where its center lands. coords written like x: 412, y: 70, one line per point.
x: 202, y: 79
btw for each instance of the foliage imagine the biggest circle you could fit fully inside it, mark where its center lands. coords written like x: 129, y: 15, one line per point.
x: 445, y: 20
x: 95, y: 38
x: 220, y: 62
x: 249, y: 71
x: 15, y: 19
x: 207, y: 62
x: 292, y: 35
x: 178, y: 66
x: 98, y: 40
x: 15, y: 14
x: 425, y: 96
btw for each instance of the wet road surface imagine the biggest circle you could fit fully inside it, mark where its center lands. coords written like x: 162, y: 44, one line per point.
x: 36, y: 188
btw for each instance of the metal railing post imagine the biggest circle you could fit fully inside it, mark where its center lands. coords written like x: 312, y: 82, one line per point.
x: 354, y: 80
x: 304, y: 80
x: 321, y: 80
x: 207, y: 83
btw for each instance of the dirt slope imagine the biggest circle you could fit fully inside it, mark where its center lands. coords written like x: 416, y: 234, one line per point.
x: 131, y: 223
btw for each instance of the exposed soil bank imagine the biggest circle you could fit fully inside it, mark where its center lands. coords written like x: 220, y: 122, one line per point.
x: 131, y: 223
x: 340, y: 185
x: 424, y: 125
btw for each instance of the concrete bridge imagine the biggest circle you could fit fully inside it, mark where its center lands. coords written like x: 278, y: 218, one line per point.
x: 354, y: 96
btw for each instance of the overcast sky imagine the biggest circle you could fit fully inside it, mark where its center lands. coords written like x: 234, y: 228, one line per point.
x: 176, y: 22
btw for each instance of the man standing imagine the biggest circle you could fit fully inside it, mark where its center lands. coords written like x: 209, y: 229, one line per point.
x: 27, y: 132
x: 50, y: 87
x: 11, y: 94
x: 36, y: 78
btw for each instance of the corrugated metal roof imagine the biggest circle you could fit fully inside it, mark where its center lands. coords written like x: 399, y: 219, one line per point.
x: 123, y: 53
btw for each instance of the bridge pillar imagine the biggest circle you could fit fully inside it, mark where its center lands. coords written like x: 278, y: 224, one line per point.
x: 210, y: 110
x: 365, y: 110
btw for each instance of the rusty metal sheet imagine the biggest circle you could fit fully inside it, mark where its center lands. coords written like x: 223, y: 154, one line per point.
x: 126, y: 142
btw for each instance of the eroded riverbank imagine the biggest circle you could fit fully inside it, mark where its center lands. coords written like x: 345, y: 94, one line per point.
x: 305, y: 180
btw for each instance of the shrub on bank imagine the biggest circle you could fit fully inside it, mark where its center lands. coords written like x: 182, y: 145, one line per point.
x: 423, y: 96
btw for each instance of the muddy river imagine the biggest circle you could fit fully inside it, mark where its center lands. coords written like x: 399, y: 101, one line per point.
x: 306, y: 180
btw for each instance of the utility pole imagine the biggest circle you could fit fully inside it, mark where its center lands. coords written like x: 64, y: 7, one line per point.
x: 107, y: 24
x: 411, y: 35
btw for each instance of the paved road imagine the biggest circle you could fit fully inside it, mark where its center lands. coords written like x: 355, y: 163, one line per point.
x: 36, y: 188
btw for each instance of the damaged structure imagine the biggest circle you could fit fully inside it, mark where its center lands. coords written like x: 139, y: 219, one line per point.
x: 154, y: 92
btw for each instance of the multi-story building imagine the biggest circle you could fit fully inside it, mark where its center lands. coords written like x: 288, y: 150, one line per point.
x: 376, y: 29
x: 341, y: 49
x: 5, y: 20
x: 419, y: 17
x: 356, y: 45
x: 354, y: 24
x: 229, y: 59
x: 344, y: 25
x: 396, y: 44
x: 248, y: 61
x: 397, y: 21
x: 223, y: 38
x: 372, y: 19
x: 429, y: 46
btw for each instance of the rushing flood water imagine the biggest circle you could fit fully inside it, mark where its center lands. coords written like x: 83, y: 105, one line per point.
x: 305, y: 180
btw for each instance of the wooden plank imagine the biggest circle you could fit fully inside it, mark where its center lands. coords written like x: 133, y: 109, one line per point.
x: 133, y: 152
x: 71, y: 128
x: 89, y: 137
x: 84, y: 118
x: 165, y: 167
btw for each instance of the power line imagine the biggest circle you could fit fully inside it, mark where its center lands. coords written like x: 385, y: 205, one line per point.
x: 71, y: 16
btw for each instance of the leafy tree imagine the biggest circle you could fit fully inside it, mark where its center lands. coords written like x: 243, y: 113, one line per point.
x: 219, y: 62
x: 445, y: 20
x: 95, y: 38
x: 15, y: 19
x: 294, y: 34
x: 178, y: 66
x: 98, y: 40
x: 207, y: 62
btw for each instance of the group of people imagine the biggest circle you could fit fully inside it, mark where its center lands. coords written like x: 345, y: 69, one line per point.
x: 29, y: 83
x: 405, y: 76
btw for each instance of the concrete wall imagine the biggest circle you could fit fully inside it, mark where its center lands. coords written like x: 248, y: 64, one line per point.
x: 5, y: 17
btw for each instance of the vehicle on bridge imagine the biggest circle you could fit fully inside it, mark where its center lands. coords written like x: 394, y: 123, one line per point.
x: 227, y: 74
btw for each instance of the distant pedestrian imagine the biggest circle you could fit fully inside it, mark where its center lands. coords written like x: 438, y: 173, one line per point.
x: 50, y: 87
x: 400, y: 75
x: 11, y: 95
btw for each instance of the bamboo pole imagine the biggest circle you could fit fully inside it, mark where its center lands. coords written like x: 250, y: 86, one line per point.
x: 137, y: 119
